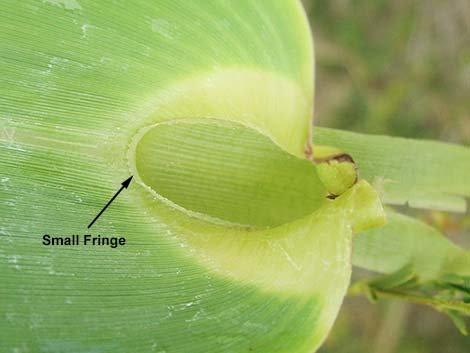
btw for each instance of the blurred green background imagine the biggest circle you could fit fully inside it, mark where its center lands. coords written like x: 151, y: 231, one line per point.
x: 396, y: 67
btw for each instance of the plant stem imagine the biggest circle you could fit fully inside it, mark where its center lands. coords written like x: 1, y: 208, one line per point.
x: 437, y: 303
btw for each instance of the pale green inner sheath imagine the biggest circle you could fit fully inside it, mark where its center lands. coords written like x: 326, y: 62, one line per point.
x: 226, y: 171
x: 287, y: 257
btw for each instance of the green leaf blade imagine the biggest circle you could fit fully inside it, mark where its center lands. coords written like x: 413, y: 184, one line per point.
x: 423, y: 174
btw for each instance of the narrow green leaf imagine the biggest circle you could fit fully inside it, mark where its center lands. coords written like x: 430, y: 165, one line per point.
x: 406, y: 242
x: 419, y: 265
x: 422, y: 174
x: 459, y: 320
x: 396, y: 279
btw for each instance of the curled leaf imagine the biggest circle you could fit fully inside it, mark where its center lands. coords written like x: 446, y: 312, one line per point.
x: 422, y: 174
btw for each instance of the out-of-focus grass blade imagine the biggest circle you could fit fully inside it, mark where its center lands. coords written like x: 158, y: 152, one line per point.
x: 418, y: 264
x: 405, y: 241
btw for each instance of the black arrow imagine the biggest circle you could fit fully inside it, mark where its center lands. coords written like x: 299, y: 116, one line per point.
x: 124, y: 184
